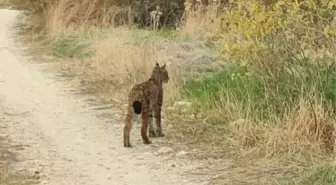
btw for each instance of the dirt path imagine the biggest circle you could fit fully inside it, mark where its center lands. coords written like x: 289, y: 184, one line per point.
x: 62, y: 137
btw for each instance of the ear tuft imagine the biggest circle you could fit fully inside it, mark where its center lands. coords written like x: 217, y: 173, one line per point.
x: 164, y: 65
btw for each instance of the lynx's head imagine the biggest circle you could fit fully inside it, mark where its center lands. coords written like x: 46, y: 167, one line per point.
x: 160, y: 73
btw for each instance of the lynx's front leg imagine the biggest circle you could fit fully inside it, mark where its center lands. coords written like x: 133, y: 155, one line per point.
x: 157, y: 114
x: 152, y: 108
x: 128, y: 127
x: 151, y: 128
x: 144, y: 126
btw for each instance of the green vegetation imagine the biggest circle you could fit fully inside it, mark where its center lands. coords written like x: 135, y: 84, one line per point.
x: 235, y: 81
x: 262, y: 96
x: 321, y: 176
x: 70, y: 47
x: 171, y: 35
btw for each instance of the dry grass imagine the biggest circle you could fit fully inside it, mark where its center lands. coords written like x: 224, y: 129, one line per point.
x: 297, y: 132
x: 127, y: 63
x: 68, y: 14
x: 202, y: 24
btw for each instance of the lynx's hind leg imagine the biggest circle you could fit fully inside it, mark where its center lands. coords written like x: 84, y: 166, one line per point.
x: 128, y: 126
x: 144, y: 125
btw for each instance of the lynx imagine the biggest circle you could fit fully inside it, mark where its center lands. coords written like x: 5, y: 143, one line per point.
x: 146, y: 99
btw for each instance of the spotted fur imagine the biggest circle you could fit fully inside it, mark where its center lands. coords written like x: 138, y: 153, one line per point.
x: 145, y: 99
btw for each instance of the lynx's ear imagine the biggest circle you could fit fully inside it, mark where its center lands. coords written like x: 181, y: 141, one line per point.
x: 157, y: 64
x: 164, y: 65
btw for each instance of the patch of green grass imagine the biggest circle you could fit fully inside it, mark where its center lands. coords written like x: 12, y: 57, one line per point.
x: 322, y: 176
x: 233, y: 81
x: 77, y: 44
x: 170, y: 35
x: 72, y: 46
x: 261, y: 95
x: 327, y: 85
x: 140, y: 36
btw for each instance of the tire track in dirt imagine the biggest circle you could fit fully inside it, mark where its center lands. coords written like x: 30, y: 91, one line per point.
x: 66, y: 141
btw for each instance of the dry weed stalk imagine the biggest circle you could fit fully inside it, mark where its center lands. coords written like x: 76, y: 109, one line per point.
x: 155, y: 16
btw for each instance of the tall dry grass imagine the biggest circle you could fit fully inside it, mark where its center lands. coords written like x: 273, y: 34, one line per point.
x: 117, y: 58
x: 68, y: 15
x: 302, y: 129
x: 202, y: 23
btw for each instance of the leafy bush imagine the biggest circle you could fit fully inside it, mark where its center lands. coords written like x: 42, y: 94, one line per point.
x: 285, y: 77
x: 276, y: 36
